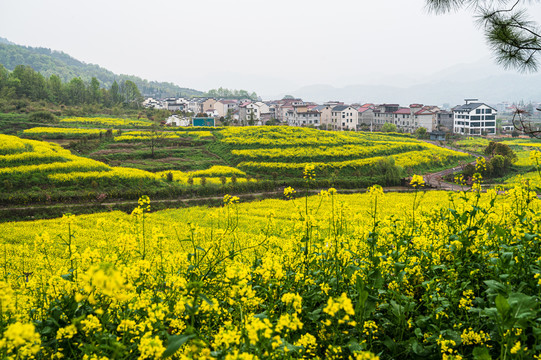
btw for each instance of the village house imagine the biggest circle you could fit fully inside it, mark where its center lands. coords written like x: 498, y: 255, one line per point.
x: 303, y: 115
x: 325, y: 116
x: 151, y: 103
x: 225, y: 107
x: 194, y: 105
x: 175, y: 120
x: 344, y: 117
x: 474, y: 118
x: 366, y: 117
x: 426, y: 118
x: 445, y: 121
x: 281, y: 107
x: 252, y: 113
x: 403, y: 119
x: 384, y: 113
x: 206, y: 105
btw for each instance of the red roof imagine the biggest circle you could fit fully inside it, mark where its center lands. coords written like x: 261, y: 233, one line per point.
x: 424, y: 112
x: 403, y: 111
x: 363, y: 109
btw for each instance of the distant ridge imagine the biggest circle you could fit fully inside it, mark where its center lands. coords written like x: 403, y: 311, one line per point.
x: 482, y: 79
x: 49, y: 62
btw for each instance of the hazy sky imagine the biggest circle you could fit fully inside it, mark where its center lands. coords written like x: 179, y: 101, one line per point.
x: 266, y: 46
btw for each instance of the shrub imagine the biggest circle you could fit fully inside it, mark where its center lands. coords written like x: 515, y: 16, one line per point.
x: 43, y: 116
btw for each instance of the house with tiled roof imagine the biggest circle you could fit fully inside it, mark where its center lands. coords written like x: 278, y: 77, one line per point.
x: 225, y: 106
x: 384, y: 113
x: 253, y: 113
x: 365, y: 117
x: 207, y: 104
x: 403, y: 119
x: 426, y: 117
x: 474, y: 118
x: 344, y: 117
x: 303, y: 115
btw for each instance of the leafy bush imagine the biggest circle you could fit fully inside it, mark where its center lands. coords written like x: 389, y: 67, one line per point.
x: 43, y: 116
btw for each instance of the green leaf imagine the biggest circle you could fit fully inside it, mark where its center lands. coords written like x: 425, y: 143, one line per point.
x: 206, y: 299
x: 175, y: 342
x: 495, y: 286
x: 418, y: 349
x: 502, y: 305
x: 481, y: 353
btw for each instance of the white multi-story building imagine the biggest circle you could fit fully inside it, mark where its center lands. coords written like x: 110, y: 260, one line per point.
x: 474, y: 118
x: 344, y: 117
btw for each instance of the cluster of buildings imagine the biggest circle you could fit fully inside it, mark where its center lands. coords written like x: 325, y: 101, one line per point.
x: 472, y: 118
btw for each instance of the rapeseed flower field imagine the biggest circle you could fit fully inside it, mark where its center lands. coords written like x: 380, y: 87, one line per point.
x: 108, y: 122
x: 431, y: 275
x: 287, y: 150
x: 26, y: 162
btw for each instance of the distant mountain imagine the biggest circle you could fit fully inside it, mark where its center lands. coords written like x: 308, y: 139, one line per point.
x: 483, y: 80
x: 49, y: 62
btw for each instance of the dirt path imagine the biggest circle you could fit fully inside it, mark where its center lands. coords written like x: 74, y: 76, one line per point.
x: 435, y: 180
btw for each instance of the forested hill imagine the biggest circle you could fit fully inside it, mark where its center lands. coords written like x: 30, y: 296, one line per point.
x: 49, y: 62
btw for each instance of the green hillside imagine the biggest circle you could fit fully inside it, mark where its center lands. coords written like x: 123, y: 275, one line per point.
x: 49, y: 62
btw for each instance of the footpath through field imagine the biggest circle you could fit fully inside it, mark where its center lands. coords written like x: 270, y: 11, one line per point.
x: 435, y: 180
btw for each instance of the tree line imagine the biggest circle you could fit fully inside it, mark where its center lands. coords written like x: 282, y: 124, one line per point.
x: 222, y: 93
x: 49, y: 62
x: 26, y: 83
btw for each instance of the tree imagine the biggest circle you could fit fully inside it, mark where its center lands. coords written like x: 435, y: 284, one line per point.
x: 29, y: 83
x: 130, y: 94
x: 497, y: 148
x: 388, y: 127
x: 502, y: 157
x: 94, y: 91
x: 76, y: 91
x: 55, y: 88
x: 512, y: 36
x: 420, y: 133
x: 115, y: 93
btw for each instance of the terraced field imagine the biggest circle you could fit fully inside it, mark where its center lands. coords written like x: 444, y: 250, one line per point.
x: 125, y: 163
x: 286, y: 151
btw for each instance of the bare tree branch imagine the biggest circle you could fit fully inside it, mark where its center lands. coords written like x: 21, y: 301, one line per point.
x: 522, y: 123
